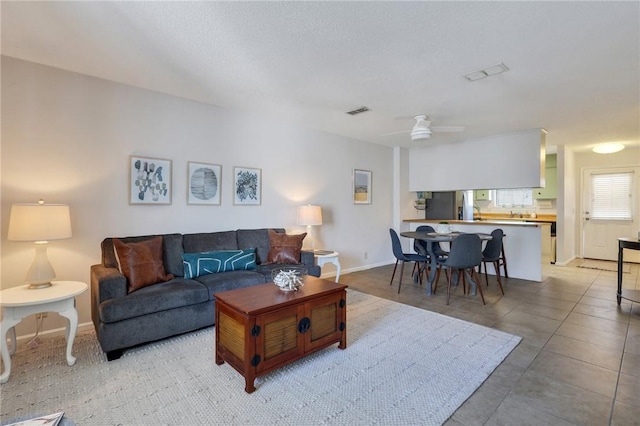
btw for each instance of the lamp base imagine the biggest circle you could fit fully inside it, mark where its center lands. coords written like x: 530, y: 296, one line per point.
x: 41, y: 272
x: 39, y: 286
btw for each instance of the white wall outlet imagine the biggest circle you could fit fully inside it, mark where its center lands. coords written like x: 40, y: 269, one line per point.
x: 366, y: 254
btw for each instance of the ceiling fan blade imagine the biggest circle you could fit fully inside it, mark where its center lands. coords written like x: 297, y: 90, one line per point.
x: 445, y: 129
x: 395, y: 133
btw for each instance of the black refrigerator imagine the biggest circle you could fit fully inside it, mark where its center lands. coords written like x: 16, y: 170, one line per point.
x: 442, y: 205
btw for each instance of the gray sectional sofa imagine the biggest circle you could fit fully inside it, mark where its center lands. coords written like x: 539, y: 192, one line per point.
x: 123, y: 319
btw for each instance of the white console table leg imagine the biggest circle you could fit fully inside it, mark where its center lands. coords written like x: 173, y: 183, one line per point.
x: 72, y: 326
x: 7, y: 326
x: 330, y: 258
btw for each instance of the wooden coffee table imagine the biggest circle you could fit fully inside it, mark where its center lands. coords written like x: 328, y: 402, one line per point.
x: 261, y: 328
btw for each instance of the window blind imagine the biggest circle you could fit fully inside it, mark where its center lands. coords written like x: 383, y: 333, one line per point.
x: 514, y: 197
x: 611, y: 196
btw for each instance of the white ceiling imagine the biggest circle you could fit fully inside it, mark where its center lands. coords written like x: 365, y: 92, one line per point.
x: 574, y: 66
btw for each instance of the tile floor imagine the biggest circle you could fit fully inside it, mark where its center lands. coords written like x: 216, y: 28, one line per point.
x: 579, y: 359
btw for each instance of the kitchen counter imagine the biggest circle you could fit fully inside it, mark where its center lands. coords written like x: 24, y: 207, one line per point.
x: 501, y: 222
x: 527, y: 244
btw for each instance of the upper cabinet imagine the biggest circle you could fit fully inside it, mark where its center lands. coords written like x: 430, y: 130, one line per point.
x: 481, y: 195
x: 550, y: 190
x: 499, y: 161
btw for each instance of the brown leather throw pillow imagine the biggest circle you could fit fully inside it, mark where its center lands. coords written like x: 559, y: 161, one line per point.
x: 284, y: 248
x: 141, y: 262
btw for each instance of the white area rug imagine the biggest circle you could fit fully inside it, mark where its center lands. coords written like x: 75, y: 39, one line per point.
x: 604, y: 265
x: 402, y: 365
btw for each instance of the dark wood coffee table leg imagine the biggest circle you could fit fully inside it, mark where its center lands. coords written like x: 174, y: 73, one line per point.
x: 249, y: 380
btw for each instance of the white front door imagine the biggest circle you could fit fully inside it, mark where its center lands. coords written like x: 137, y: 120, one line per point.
x: 610, y: 209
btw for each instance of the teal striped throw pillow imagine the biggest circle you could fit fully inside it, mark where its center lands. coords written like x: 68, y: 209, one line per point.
x: 212, y: 262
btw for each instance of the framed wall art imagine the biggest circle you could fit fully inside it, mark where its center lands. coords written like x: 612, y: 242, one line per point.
x: 247, y: 186
x: 203, y: 183
x: 361, y: 186
x: 150, y: 180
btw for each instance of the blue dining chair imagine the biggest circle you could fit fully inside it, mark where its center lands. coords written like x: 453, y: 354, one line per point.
x: 493, y: 253
x: 403, y: 257
x: 464, y: 257
x: 420, y: 246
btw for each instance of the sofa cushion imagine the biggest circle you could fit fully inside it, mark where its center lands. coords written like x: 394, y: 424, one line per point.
x: 258, y: 238
x: 210, y: 241
x: 141, y: 262
x: 230, y: 280
x: 213, y: 262
x: 172, y: 251
x: 285, y: 248
x: 156, y: 298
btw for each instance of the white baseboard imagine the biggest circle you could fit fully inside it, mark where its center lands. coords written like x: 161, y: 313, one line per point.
x: 356, y: 269
x: 56, y: 332
x: 566, y: 262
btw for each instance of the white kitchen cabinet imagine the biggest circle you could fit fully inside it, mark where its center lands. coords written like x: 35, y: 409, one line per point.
x: 481, y: 195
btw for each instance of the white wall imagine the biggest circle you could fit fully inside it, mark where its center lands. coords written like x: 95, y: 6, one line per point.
x: 67, y: 138
x: 566, y: 220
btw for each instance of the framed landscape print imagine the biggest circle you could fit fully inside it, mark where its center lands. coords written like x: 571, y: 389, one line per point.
x: 203, y: 183
x: 149, y: 180
x: 247, y: 186
x: 361, y: 186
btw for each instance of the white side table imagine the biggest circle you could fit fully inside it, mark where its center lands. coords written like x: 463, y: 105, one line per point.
x: 19, y: 302
x: 326, y: 256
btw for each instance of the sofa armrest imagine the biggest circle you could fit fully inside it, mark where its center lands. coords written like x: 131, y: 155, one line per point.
x: 107, y: 283
x: 307, y: 258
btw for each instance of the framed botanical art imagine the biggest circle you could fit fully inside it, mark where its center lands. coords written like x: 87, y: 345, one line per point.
x: 361, y: 186
x: 150, y: 180
x: 203, y: 184
x: 247, y: 186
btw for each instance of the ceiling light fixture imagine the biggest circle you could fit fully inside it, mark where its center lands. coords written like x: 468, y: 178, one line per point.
x: 608, y: 148
x: 486, y: 72
x: 421, y: 129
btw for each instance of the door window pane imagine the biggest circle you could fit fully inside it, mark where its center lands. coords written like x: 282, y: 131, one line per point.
x: 611, y: 196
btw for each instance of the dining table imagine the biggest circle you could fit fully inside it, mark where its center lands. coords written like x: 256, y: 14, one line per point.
x: 431, y: 239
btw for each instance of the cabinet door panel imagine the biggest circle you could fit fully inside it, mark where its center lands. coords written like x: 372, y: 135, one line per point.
x: 325, y: 314
x: 232, y: 336
x: 279, y: 339
x: 323, y: 320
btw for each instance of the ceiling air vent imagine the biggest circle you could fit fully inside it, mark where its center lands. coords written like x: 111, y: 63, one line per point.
x: 358, y: 110
x: 487, y: 72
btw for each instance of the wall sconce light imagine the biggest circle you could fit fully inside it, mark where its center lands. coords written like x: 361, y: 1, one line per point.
x: 309, y: 216
x: 39, y: 223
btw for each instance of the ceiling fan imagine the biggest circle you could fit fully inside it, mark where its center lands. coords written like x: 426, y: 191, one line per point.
x: 423, y: 129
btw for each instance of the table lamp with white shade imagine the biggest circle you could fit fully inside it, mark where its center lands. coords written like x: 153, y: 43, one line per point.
x: 39, y: 223
x: 309, y: 216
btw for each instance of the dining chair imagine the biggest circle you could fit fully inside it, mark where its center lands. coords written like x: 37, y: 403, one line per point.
x: 403, y: 257
x: 421, y: 246
x: 464, y: 257
x: 493, y: 253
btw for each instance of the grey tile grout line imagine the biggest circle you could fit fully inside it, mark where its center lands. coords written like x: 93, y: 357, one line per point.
x: 624, y: 346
